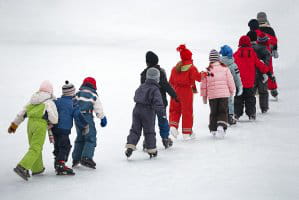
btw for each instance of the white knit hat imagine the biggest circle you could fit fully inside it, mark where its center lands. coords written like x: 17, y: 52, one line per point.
x: 46, y: 86
x: 153, y: 73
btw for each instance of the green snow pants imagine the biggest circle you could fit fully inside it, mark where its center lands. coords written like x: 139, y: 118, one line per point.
x: 36, y: 130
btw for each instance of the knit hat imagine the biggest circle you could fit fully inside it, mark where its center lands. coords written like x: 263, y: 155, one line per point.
x: 262, y: 17
x: 244, y: 41
x: 252, y: 35
x: 90, y: 82
x: 151, y: 59
x: 226, y: 51
x: 253, y: 24
x: 185, y: 53
x: 46, y: 86
x: 153, y: 73
x: 263, y: 38
x: 214, y: 56
x: 68, y: 89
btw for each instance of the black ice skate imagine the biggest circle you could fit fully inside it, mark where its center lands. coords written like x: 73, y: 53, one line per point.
x: 88, y: 162
x: 252, y: 118
x: 62, y: 169
x: 129, y: 152
x: 37, y: 173
x: 231, y: 119
x: 153, y: 154
x: 22, y: 172
x: 76, y: 163
x: 167, y: 142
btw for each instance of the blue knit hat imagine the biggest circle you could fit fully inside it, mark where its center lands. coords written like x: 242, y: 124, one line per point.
x: 226, y: 51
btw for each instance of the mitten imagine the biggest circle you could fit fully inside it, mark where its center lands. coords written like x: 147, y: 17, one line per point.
x: 240, y: 91
x: 103, y: 122
x: 85, y: 130
x: 12, y: 128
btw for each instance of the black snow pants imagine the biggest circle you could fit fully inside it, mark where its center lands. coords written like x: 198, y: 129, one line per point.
x: 247, y: 99
x: 62, y: 145
x: 218, y: 113
x: 143, y: 119
x: 262, y: 89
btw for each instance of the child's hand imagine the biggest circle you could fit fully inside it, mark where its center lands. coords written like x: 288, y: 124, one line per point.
x: 51, y: 139
x: 12, y: 128
x: 103, y: 122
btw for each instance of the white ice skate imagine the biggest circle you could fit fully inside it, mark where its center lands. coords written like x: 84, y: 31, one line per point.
x: 189, y: 136
x: 220, y: 131
x: 174, y: 132
x: 213, y: 133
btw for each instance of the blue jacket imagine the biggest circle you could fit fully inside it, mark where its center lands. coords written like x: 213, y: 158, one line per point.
x: 67, y: 111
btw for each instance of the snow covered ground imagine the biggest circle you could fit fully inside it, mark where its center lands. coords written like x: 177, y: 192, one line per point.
x: 64, y: 39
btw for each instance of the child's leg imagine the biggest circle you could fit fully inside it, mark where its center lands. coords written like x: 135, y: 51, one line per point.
x: 79, y: 144
x: 187, y: 111
x: 174, y: 113
x: 38, y: 166
x: 222, y: 112
x: 239, y: 104
x: 148, y: 122
x: 231, y: 105
x: 250, y: 102
x: 36, y: 135
x: 64, y: 146
x: 90, y: 141
x: 263, y: 96
x: 213, y: 114
x: 164, y: 130
x: 135, y: 131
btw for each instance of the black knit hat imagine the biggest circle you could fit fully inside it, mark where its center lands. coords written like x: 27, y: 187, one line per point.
x: 252, y: 35
x: 253, y: 24
x: 151, y: 59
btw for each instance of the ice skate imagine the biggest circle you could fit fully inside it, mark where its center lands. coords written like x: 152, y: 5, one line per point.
x: 189, y: 136
x: 213, y: 133
x: 231, y: 119
x: 174, y: 132
x: 22, y: 172
x: 76, y: 163
x: 129, y: 152
x: 167, y: 142
x: 220, y: 131
x: 152, y: 153
x: 62, y: 169
x: 88, y: 162
x: 252, y: 118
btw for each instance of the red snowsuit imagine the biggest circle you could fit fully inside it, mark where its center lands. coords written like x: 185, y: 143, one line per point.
x: 182, y: 79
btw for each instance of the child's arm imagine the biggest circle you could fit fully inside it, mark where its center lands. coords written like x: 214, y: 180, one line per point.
x: 51, y: 109
x: 157, y: 103
x: 17, y: 121
x: 98, y: 109
x: 230, y: 82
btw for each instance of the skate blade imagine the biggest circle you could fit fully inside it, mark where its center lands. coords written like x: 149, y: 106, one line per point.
x: 89, y: 166
x: 65, y: 174
x: 20, y: 174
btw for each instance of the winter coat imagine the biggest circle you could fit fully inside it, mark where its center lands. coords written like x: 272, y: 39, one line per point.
x: 49, y: 110
x: 247, y: 62
x: 67, y: 111
x: 89, y: 102
x: 220, y: 85
x: 262, y: 52
x: 184, y: 75
x: 266, y: 28
x: 148, y: 94
x: 164, y: 84
x: 230, y: 63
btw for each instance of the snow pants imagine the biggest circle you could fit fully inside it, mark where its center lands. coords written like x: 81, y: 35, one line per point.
x: 143, y: 119
x: 36, y: 130
x: 62, y: 145
x: 182, y: 108
x: 262, y: 89
x: 231, y: 109
x: 218, y: 113
x: 85, y: 144
x: 272, y: 85
x: 247, y: 99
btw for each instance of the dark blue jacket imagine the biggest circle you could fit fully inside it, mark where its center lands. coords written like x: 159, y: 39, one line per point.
x: 67, y: 111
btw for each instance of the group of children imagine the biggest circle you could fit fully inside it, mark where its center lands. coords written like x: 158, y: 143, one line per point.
x: 229, y: 83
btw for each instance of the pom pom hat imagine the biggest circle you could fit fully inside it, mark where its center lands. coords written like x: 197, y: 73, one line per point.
x: 186, y: 54
x: 90, y: 82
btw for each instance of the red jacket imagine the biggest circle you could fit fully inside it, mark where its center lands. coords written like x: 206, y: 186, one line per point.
x: 247, y: 61
x: 272, y: 39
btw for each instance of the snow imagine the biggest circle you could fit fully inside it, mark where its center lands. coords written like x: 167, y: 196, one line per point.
x: 63, y: 39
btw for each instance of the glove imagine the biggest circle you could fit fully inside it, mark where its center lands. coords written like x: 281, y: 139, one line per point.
x: 271, y: 77
x: 51, y: 139
x: 203, y: 74
x: 103, y: 122
x: 85, y: 130
x: 240, y: 91
x: 12, y: 128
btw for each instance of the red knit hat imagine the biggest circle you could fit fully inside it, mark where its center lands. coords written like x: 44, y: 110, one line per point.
x: 90, y: 81
x: 244, y: 41
x: 185, y: 53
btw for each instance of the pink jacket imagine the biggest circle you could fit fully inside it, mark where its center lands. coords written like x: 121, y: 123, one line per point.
x: 220, y: 85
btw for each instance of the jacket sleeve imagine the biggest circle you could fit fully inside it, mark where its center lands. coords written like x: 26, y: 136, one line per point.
x: 267, y: 57
x: 52, y: 111
x: 166, y: 86
x: 79, y: 118
x: 230, y: 82
x: 20, y: 116
x: 260, y: 65
x: 203, y: 87
x: 98, y: 109
x: 195, y: 75
x: 171, y: 79
x: 157, y: 103
x: 236, y: 76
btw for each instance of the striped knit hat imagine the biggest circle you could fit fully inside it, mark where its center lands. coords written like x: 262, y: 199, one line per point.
x: 68, y: 89
x: 214, y: 56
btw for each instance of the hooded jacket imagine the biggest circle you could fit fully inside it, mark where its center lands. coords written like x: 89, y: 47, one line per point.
x: 230, y: 63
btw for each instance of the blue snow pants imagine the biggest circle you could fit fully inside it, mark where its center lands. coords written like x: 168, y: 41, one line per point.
x: 85, y: 144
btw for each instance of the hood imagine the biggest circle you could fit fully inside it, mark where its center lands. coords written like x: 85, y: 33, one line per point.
x: 226, y: 60
x: 40, y: 97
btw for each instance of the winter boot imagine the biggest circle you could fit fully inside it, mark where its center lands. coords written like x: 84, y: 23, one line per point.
x: 167, y: 142
x: 129, y: 152
x: 231, y: 119
x: 88, y: 162
x: 152, y: 153
x: 252, y: 117
x: 62, y: 169
x: 22, y: 172
x: 220, y: 131
x: 174, y: 132
x: 213, y: 133
x: 37, y: 173
x: 76, y: 163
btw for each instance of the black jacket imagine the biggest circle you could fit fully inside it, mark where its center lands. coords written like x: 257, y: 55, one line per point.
x: 263, y: 54
x: 164, y: 84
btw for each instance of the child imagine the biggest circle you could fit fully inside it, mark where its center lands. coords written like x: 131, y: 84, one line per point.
x: 228, y: 60
x: 149, y: 103
x: 89, y: 103
x: 152, y: 61
x: 247, y: 61
x: 217, y: 89
x: 182, y: 79
x: 67, y: 111
x: 40, y: 111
